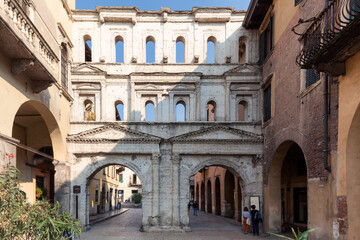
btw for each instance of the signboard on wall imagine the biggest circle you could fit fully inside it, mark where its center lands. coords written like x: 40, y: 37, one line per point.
x: 255, y: 201
x: 77, y: 189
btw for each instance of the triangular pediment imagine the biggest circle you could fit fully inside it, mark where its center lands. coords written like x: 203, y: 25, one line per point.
x: 245, y: 68
x: 112, y: 133
x: 150, y: 87
x: 86, y: 68
x: 86, y: 86
x: 218, y: 133
x: 182, y: 86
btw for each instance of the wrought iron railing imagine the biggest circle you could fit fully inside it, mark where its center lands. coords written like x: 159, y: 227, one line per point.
x: 327, y: 26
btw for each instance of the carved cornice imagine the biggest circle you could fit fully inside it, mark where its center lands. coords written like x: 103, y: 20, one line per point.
x: 244, y: 137
x: 85, y: 137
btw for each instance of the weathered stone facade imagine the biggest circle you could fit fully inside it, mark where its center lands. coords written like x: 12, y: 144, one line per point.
x: 164, y: 153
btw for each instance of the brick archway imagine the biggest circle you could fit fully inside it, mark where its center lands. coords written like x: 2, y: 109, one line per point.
x: 280, y: 210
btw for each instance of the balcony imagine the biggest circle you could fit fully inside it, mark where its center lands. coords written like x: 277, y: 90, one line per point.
x: 21, y: 41
x: 332, y: 37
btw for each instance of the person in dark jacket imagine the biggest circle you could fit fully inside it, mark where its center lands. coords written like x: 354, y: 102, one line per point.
x: 195, y: 206
x: 255, y: 219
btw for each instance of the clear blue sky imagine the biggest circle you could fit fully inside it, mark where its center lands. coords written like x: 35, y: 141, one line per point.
x: 157, y: 4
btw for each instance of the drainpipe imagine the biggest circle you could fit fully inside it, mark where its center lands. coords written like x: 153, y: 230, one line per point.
x: 326, y: 111
x: 326, y: 124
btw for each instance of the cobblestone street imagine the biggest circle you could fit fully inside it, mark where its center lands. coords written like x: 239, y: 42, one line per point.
x: 126, y: 226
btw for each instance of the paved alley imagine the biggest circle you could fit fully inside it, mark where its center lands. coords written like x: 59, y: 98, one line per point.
x: 127, y: 225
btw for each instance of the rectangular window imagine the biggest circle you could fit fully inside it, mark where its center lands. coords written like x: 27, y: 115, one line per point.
x: 134, y: 179
x: 266, y: 41
x: 96, y: 196
x: 104, y: 171
x: 108, y: 171
x: 300, y: 205
x: 112, y: 172
x: 311, y: 77
x: 267, y: 103
x: 297, y: 2
x: 121, y: 178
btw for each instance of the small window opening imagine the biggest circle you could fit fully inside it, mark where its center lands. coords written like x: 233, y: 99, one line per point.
x: 242, y: 111
x: 119, y: 46
x: 149, y: 111
x: 119, y: 111
x: 88, y: 48
x: 180, y: 50
x: 89, y: 113
x: 150, y: 49
x: 210, y: 109
x: 210, y: 53
x: 242, y: 50
x: 180, y: 111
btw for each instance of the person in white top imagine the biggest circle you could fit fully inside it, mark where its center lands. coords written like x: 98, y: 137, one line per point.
x: 246, y: 220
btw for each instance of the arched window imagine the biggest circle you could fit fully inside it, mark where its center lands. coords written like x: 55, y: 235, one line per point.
x: 242, y: 111
x: 242, y: 49
x: 149, y: 111
x: 150, y: 49
x: 89, y: 113
x: 119, y: 111
x: 180, y: 111
x: 210, y: 110
x: 88, y: 48
x: 210, y: 50
x: 180, y: 50
x: 119, y: 46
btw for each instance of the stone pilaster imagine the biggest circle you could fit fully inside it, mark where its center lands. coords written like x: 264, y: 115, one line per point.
x: 155, y: 212
x: 176, y: 189
x: 62, y: 185
x: 165, y: 186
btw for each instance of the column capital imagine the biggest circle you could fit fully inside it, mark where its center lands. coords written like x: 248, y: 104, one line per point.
x: 156, y: 158
x: 176, y: 158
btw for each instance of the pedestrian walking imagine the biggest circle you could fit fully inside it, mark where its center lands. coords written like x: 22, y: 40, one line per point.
x: 255, y: 219
x: 195, y: 206
x: 246, y: 220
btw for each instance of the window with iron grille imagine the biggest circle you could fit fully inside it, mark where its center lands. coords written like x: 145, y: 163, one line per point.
x: 297, y: 2
x: 311, y: 77
x: 64, y: 68
x: 267, y: 103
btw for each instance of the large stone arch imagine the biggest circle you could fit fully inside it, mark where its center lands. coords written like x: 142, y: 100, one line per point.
x: 353, y: 176
x: 86, y: 166
x: 243, y: 167
x: 272, y: 190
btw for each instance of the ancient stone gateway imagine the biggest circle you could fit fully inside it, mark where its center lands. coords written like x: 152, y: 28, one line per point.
x: 127, y: 112
x: 164, y: 166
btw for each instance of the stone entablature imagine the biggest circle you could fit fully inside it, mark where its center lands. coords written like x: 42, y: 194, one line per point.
x: 106, y: 24
x: 227, y: 87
